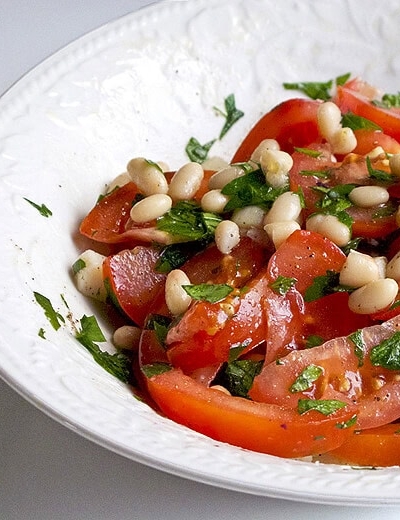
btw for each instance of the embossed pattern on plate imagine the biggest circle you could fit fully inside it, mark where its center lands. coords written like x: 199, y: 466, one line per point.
x: 142, y: 86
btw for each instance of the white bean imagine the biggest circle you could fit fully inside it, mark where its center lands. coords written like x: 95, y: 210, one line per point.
x: 147, y: 176
x: 120, y: 180
x: 227, y: 236
x: 285, y: 207
x: 222, y: 177
x: 150, y: 208
x: 266, y: 144
x: 278, y: 232
x: 343, y: 141
x: 89, y: 275
x: 186, y: 181
x: 368, y: 196
x: 276, y: 165
x: 374, y: 296
x: 394, y: 164
x: 176, y: 297
x: 330, y: 227
x: 381, y: 262
x: 249, y: 217
x: 393, y: 268
x: 329, y: 119
x: 127, y: 337
x: 214, y: 201
x: 358, y: 270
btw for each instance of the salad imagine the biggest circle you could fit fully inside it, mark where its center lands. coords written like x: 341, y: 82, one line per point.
x: 258, y: 299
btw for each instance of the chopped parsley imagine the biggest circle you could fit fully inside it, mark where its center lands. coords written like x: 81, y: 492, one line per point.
x: 356, y: 122
x: 357, y: 338
x: 43, y: 210
x: 324, y: 406
x: 175, y: 255
x: 78, y: 265
x: 306, y: 379
x: 231, y: 114
x: 212, y: 293
x: 54, y: 317
x: 387, y: 353
x: 238, y: 376
x: 198, y: 152
x: 347, y: 424
x: 119, y: 365
x: 324, y: 285
x: 388, y: 101
x: 313, y: 340
x: 379, y: 175
x: 318, y: 89
x: 160, y: 324
x: 155, y: 369
x: 309, y: 152
x: 282, y: 284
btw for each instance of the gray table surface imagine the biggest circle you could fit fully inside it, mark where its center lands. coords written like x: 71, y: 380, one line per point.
x: 47, y: 472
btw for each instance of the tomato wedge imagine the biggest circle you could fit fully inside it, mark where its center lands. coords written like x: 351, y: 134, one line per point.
x: 261, y: 427
x: 292, y: 123
x: 376, y: 447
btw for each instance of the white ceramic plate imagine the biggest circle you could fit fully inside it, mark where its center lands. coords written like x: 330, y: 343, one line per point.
x: 142, y: 86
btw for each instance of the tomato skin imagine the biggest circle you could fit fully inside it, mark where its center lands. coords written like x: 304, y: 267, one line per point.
x: 367, y: 140
x: 255, y: 426
x: 365, y: 225
x: 377, y: 447
x: 292, y: 123
x: 133, y: 281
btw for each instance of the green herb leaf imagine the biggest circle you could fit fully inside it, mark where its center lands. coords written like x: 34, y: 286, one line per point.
x: 78, y: 265
x: 189, y: 222
x: 320, y: 174
x: 251, y: 189
x: 351, y: 245
x: 238, y: 376
x: 175, y: 255
x: 357, y: 338
x: 324, y: 285
x: 306, y: 379
x: 160, y: 324
x: 379, y: 175
x: 231, y: 114
x: 309, y: 152
x: 155, y: 369
x: 211, y: 293
x: 347, y: 424
x: 235, y: 351
x: 282, y: 284
x: 43, y: 210
x: 387, y: 353
x: 198, y: 152
x: 317, y: 89
x: 55, y: 318
x: 356, y: 122
x: 313, y: 340
x: 42, y: 333
x: 324, y: 406
x: 388, y: 101
x: 118, y: 365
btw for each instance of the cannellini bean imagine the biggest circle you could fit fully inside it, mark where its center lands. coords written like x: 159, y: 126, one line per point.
x: 127, y: 337
x: 276, y: 165
x: 329, y: 119
x: 376, y: 152
x: 394, y: 164
x: 222, y: 177
x: 330, y: 227
x: 393, y: 268
x: 278, y: 232
x: 285, y: 207
x: 266, y: 144
x: 227, y: 236
x: 89, y: 277
x: 176, y: 297
x: 249, y: 217
x: 120, y: 180
x: 214, y: 163
x: 381, y: 262
x: 343, y: 141
x: 147, y: 176
x: 358, y: 270
x: 186, y: 181
x: 150, y: 208
x: 214, y: 201
x: 368, y: 196
x: 220, y: 388
x: 374, y: 296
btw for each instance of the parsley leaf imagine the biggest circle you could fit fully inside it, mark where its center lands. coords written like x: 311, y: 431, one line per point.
x: 155, y: 369
x: 306, y: 378
x: 78, y: 265
x: 232, y: 114
x: 55, y: 318
x: 314, y: 341
x: 324, y: 406
x: 198, y: 152
x: 119, y: 365
x: 251, y: 189
x: 388, y: 101
x: 308, y: 151
x: 160, y: 324
x: 356, y: 122
x: 211, y: 293
x: 238, y: 376
x: 43, y: 210
x: 175, y: 255
x: 317, y: 89
x: 282, y: 284
x: 387, y: 353
x: 324, y: 285
x: 347, y: 424
x: 189, y: 222
x: 357, y: 338
x: 379, y: 175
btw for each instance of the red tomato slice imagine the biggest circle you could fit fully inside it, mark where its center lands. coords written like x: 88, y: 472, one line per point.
x: 133, y: 281
x: 367, y: 140
x: 368, y: 225
x: 349, y: 100
x: 292, y: 123
x: 255, y: 426
x: 377, y: 447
